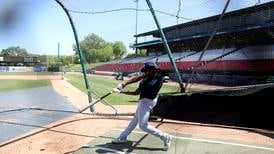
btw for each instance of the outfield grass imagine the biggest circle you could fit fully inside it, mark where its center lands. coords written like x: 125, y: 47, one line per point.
x: 7, y: 85
x: 31, y: 73
x: 103, y: 85
x: 77, y: 67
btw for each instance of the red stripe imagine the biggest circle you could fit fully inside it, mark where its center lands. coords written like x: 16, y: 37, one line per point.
x: 266, y: 65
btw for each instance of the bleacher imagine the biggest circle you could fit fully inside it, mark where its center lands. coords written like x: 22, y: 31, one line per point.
x: 240, y: 60
x: 137, y: 59
x: 242, y: 48
x: 240, y: 21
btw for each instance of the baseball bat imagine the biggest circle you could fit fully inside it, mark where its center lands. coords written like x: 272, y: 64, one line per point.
x: 85, y: 108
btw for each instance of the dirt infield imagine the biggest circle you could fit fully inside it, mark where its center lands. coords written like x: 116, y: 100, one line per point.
x: 73, y: 132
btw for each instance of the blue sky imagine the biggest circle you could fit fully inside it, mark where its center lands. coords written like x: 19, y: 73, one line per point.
x: 38, y: 25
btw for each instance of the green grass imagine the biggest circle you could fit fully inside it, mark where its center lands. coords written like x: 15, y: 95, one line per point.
x: 31, y: 73
x: 8, y: 85
x: 103, y: 85
x: 79, y: 68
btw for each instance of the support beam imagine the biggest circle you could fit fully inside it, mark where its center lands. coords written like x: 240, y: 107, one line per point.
x: 79, y: 52
x: 166, y: 46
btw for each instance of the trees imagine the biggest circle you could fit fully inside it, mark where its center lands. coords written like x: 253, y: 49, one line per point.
x: 141, y: 53
x: 90, y: 47
x: 48, y: 59
x: 105, y: 54
x: 96, y: 49
x: 119, y: 49
x: 52, y: 60
x: 14, y: 51
x: 66, y: 60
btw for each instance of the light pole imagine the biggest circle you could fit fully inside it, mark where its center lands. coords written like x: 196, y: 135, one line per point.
x: 58, y: 57
x: 136, y: 26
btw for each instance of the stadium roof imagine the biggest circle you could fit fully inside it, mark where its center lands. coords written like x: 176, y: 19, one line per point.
x: 255, y: 8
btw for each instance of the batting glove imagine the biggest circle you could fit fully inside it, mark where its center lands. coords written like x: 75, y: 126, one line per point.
x: 120, y: 86
x: 116, y: 90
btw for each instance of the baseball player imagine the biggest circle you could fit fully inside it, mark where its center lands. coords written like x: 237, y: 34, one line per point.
x: 151, y: 82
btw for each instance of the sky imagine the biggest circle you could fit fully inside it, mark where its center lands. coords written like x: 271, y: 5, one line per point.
x: 39, y: 25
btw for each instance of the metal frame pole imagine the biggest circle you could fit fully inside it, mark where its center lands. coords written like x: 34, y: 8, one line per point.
x: 79, y: 52
x: 136, y: 24
x: 58, y: 57
x: 166, y: 46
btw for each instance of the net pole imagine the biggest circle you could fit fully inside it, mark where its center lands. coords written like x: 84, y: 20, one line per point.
x: 164, y: 40
x: 79, y: 52
x: 136, y: 25
x: 58, y: 55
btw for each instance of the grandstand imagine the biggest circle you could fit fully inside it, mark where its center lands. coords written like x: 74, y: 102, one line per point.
x: 241, y: 52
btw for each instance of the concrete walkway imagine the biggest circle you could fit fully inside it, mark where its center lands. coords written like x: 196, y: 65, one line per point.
x: 80, y: 99
x: 43, y: 97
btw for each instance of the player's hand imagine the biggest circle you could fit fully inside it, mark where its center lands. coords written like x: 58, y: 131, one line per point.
x: 116, y: 90
x: 120, y: 86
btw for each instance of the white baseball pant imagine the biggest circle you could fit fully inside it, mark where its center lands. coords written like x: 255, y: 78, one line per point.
x: 141, y: 116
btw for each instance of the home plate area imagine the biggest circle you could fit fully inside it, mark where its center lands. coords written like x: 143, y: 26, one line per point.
x: 140, y: 142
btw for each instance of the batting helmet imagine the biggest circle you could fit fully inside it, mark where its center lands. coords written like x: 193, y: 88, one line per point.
x: 150, y: 66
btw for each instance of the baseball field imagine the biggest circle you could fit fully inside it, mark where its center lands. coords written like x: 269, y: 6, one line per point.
x: 42, y: 116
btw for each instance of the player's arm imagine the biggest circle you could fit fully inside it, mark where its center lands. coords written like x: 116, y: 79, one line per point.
x: 136, y: 92
x: 134, y: 79
x: 130, y: 81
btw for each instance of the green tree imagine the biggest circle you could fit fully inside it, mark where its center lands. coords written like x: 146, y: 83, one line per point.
x: 14, y: 51
x: 66, y: 60
x: 90, y: 47
x: 48, y: 59
x: 43, y: 59
x: 140, y: 53
x: 105, y: 54
x: 51, y: 60
x: 119, y: 49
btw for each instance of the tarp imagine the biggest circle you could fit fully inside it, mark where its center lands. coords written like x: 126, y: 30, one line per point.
x: 249, y: 106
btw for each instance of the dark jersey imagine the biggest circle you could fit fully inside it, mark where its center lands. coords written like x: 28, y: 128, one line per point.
x: 149, y: 87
